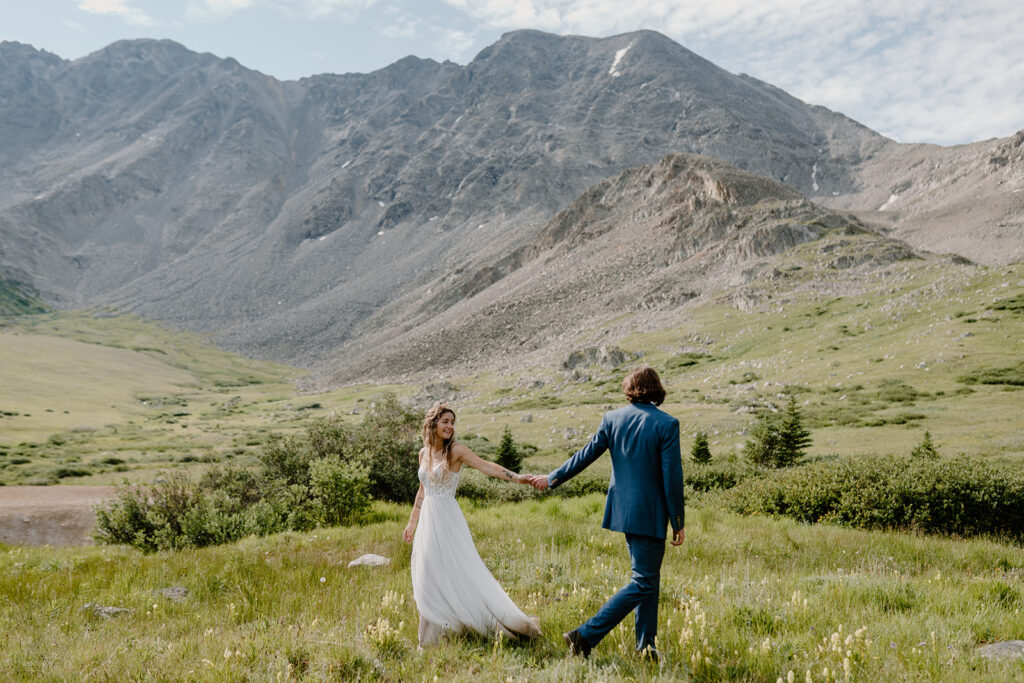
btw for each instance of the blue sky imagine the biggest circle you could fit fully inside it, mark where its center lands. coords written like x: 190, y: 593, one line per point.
x: 941, y: 71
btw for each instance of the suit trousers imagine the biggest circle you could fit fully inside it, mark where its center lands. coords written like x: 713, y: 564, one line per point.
x: 641, y: 594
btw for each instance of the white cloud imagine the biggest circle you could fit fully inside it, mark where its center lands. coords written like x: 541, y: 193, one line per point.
x: 346, y: 10
x: 117, y: 8
x: 456, y: 44
x: 399, y: 24
x: 917, y: 70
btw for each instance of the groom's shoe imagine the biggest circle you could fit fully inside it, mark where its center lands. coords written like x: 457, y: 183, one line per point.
x: 578, y: 645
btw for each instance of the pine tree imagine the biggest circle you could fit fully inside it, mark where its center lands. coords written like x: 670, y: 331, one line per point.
x: 765, y: 443
x: 508, y: 455
x: 794, y: 437
x: 778, y: 441
x: 700, y: 452
x: 925, y: 449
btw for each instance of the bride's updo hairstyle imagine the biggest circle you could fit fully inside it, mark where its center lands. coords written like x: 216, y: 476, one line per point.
x: 642, y: 385
x: 430, y: 440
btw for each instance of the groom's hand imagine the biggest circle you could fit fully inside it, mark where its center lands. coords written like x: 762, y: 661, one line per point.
x: 677, y: 536
x: 539, y: 482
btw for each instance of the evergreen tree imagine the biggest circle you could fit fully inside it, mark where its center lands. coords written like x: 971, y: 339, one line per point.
x: 700, y: 452
x: 765, y: 443
x: 925, y: 449
x: 794, y: 437
x: 508, y: 455
x: 778, y: 441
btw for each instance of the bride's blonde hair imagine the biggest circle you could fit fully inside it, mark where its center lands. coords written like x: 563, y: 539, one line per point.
x: 430, y: 432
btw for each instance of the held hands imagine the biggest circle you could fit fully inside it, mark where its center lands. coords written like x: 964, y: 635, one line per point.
x: 539, y: 482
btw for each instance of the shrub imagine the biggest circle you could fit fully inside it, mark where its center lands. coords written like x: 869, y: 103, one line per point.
x: 960, y: 496
x: 326, y: 475
x: 508, y: 455
x: 765, y: 444
x: 1009, y: 376
x: 340, y: 489
x: 896, y: 391
x: 719, y: 476
x: 387, y: 442
x: 700, y: 453
x: 484, y: 490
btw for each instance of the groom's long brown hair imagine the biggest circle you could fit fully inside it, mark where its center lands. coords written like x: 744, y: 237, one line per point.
x: 430, y: 431
x: 642, y: 385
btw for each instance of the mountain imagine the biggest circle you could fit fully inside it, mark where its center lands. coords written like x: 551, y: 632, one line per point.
x: 966, y: 200
x: 631, y: 249
x: 293, y: 219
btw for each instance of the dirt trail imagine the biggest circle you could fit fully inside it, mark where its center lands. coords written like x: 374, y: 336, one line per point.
x: 53, y: 515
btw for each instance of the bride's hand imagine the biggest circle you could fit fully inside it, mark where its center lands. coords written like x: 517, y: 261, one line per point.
x: 523, y: 478
x: 408, y: 533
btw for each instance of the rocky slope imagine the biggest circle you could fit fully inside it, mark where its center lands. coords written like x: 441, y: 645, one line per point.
x: 966, y: 200
x: 278, y: 216
x: 293, y: 219
x: 627, y: 250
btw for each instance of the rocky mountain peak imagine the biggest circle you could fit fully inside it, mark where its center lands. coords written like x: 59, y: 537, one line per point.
x: 290, y: 219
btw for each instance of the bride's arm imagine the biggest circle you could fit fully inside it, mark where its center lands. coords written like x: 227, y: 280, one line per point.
x: 491, y: 469
x: 414, y: 518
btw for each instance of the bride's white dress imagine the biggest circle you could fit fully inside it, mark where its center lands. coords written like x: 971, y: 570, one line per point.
x: 452, y: 586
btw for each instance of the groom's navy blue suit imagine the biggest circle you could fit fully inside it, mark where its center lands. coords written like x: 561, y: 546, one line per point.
x: 645, y: 496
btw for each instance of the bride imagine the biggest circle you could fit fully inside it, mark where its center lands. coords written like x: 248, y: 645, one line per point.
x: 452, y: 587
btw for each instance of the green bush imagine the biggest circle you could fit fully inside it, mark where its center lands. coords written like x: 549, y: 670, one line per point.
x: 340, y: 489
x: 324, y: 476
x: 387, y: 442
x: 959, y: 496
x: 1009, y: 376
x: 484, y: 490
x: 717, y: 476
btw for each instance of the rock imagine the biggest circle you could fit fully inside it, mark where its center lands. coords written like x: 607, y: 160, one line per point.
x: 173, y: 593
x: 1009, y: 648
x: 607, y: 357
x: 526, y: 418
x: 104, y: 611
x: 369, y: 560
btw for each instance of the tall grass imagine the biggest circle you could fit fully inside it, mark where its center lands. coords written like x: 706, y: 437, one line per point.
x: 742, y: 599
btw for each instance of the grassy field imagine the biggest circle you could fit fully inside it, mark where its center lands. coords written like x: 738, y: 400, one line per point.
x: 94, y: 398
x: 743, y: 599
x: 874, y: 359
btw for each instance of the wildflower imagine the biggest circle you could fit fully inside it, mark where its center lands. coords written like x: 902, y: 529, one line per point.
x: 790, y: 676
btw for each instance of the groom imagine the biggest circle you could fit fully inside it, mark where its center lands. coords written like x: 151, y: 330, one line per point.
x: 645, y: 495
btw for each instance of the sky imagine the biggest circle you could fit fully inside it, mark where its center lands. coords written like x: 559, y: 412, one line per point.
x: 940, y: 71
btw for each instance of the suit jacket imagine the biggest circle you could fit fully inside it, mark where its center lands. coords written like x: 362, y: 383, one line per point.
x: 645, y: 493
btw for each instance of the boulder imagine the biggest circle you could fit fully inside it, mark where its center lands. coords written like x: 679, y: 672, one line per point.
x: 369, y: 560
x: 1009, y: 648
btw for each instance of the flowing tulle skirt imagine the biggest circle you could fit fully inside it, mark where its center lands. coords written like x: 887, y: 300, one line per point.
x: 452, y: 586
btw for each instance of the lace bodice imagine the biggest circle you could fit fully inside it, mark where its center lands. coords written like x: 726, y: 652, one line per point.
x: 438, y: 480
